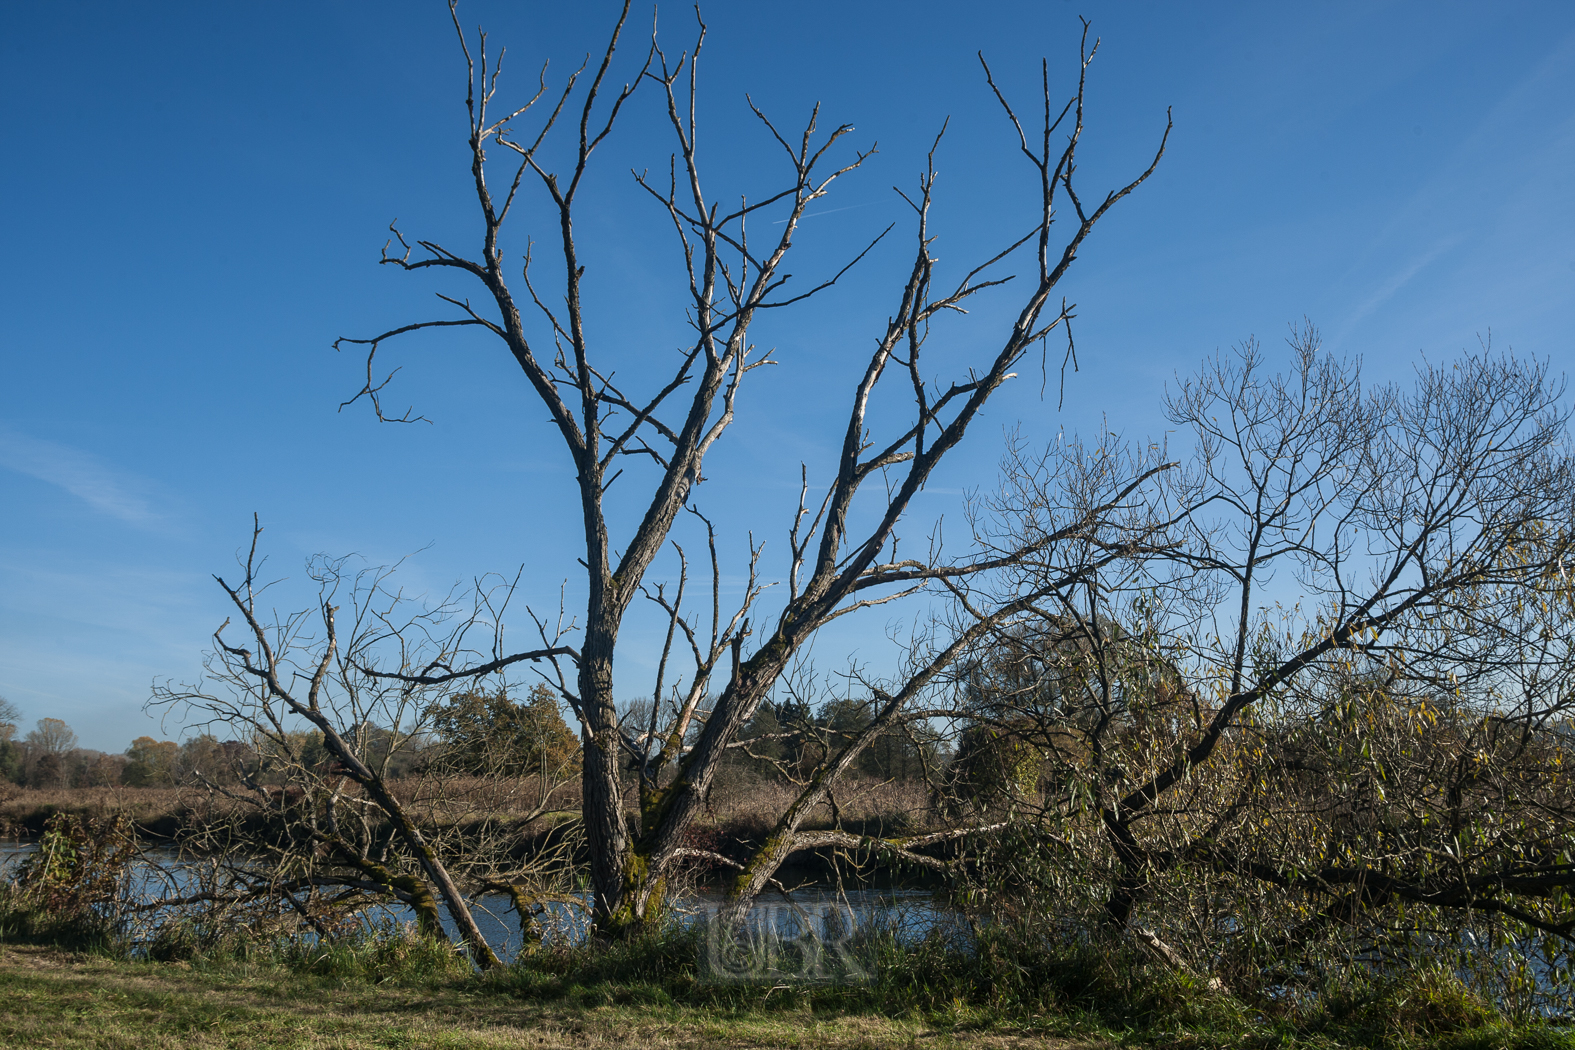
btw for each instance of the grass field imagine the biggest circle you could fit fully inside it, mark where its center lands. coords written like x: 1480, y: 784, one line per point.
x: 54, y: 999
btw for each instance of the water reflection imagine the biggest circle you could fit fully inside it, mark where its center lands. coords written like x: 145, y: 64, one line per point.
x: 818, y: 915
x: 824, y: 914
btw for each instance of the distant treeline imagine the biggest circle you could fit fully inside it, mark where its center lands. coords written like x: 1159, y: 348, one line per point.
x: 476, y: 732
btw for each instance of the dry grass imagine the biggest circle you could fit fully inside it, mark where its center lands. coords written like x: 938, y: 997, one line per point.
x: 742, y: 800
x: 24, y: 810
x: 743, y: 807
x: 738, y: 797
x: 464, y: 800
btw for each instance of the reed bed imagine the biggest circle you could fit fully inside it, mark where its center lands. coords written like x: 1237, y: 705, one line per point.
x: 743, y: 806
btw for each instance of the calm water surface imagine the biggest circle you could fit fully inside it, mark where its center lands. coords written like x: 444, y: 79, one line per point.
x: 822, y: 912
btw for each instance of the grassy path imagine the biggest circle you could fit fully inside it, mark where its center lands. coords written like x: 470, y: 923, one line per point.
x: 52, y: 999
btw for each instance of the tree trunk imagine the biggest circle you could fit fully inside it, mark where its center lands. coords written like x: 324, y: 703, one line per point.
x: 606, y: 832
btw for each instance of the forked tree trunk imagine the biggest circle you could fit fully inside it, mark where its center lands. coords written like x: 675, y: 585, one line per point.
x: 731, y: 279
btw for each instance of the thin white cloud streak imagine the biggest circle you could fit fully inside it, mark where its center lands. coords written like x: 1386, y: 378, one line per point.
x: 79, y: 473
x: 1389, y: 288
x: 1458, y: 177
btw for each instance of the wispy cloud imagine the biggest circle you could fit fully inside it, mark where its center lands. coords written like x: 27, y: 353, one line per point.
x: 82, y: 474
x: 1396, y: 281
x: 1454, y: 188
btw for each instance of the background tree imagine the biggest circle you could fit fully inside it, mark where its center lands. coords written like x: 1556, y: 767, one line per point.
x: 205, y: 758
x: 151, y: 763
x: 52, y: 736
x: 488, y: 732
x: 780, y: 740
x: 10, y: 749
x: 94, y: 769
x: 44, y: 753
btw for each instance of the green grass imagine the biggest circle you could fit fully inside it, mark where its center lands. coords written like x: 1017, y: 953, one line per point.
x: 57, y: 999
x: 64, y: 985
x: 1013, y: 985
x: 60, y: 1000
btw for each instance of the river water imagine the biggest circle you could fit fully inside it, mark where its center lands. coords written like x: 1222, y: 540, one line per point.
x: 814, y: 915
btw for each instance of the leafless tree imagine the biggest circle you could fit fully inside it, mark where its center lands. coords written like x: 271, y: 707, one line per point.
x: 663, y: 435
x: 1340, y: 692
x: 52, y: 736
x: 313, y: 820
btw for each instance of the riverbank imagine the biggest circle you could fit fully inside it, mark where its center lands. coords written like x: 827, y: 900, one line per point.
x: 741, y: 816
x: 373, y: 1000
x: 157, y: 812
x: 829, y: 977
x: 64, y: 1000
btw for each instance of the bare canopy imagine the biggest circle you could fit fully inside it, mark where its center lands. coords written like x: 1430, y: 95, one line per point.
x: 659, y: 437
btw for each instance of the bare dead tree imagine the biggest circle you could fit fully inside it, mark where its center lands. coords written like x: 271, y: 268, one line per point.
x: 666, y: 432
x: 344, y: 794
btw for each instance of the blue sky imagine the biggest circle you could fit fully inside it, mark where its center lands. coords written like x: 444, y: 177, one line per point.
x: 194, y: 197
